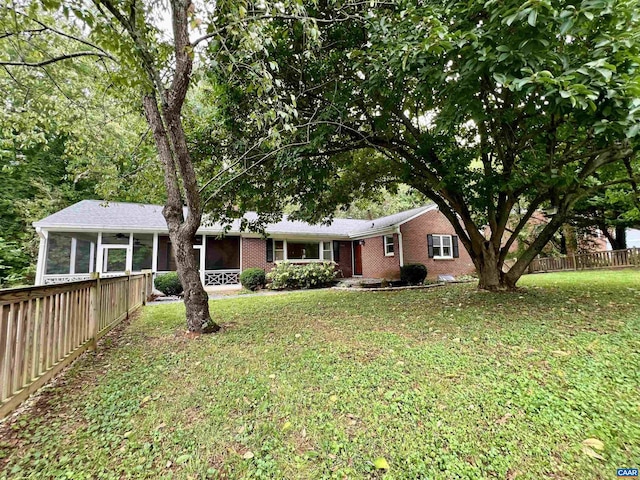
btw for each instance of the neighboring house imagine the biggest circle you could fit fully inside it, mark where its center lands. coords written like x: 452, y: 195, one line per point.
x: 112, y: 238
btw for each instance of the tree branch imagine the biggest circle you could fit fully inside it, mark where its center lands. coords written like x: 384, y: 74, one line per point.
x: 60, y: 58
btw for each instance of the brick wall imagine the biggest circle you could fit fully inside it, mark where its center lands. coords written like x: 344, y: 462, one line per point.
x: 254, y: 254
x: 414, y: 238
x: 374, y: 262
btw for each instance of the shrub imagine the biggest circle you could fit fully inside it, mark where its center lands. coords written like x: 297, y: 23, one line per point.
x: 253, y: 278
x: 291, y: 276
x: 168, y: 283
x: 413, y: 273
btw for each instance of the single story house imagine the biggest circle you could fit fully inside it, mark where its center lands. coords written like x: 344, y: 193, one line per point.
x: 113, y: 237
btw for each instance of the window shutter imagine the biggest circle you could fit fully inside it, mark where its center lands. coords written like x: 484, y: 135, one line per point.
x: 269, y: 250
x: 336, y: 251
x: 384, y: 245
x: 454, y: 241
x: 430, y: 244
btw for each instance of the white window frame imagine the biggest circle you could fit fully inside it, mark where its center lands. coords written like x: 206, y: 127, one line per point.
x: 388, y: 244
x: 441, y: 246
x: 284, y: 249
x: 323, y: 250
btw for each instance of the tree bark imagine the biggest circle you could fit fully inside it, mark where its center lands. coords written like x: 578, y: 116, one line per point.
x: 490, y: 277
x: 181, y: 232
x: 620, y: 240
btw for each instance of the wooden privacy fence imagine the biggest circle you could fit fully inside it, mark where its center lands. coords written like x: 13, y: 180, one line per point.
x: 629, y: 257
x: 44, y: 328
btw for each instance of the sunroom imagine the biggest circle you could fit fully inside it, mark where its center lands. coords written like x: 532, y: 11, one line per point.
x: 70, y: 256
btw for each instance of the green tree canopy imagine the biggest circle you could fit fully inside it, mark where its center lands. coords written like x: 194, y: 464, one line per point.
x: 489, y: 108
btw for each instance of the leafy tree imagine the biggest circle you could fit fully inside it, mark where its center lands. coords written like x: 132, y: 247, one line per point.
x: 386, y: 201
x: 479, y: 105
x: 128, y: 48
x: 63, y: 138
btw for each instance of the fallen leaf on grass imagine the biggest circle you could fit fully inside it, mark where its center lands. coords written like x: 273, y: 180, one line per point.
x: 591, y: 453
x: 381, y: 463
x: 594, y: 443
x: 588, y: 446
x: 248, y: 455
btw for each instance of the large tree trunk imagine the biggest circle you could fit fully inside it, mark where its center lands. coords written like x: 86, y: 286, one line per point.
x: 181, y: 230
x: 196, y: 300
x: 179, y: 174
x: 489, y: 268
x: 620, y: 240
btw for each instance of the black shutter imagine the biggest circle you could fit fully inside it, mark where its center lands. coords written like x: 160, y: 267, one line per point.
x: 336, y: 251
x: 454, y: 241
x: 430, y: 244
x: 269, y: 250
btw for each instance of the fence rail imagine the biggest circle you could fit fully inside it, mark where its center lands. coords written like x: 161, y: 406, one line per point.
x: 44, y: 328
x: 629, y: 257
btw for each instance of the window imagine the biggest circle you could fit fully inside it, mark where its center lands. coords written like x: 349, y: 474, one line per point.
x: 221, y: 253
x: 142, y: 252
x: 278, y: 250
x: 388, y: 246
x: 166, y: 257
x: 303, y: 251
x: 442, y: 246
x: 327, y: 251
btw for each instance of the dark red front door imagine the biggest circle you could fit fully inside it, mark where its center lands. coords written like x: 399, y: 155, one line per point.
x: 357, y: 258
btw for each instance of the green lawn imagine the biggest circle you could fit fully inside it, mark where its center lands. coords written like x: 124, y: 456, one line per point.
x: 441, y: 383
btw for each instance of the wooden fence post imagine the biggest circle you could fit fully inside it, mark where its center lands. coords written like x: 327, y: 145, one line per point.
x: 94, y: 317
x: 128, y: 292
x: 146, y: 292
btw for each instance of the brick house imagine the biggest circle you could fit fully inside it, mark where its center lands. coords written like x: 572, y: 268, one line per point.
x: 112, y: 238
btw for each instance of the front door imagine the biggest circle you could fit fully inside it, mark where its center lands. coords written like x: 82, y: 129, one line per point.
x: 357, y: 258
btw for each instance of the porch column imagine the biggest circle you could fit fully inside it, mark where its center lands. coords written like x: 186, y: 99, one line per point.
x: 100, y: 259
x: 400, y: 248
x: 203, y: 257
x: 92, y: 257
x: 154, y: 259
x: 72, y: 256
x: 42, y: 255
x: 129, y: 266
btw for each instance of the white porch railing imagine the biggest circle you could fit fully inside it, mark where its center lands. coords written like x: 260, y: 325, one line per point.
x: 221, y: 277
x: 65, y: 278
x: 53, y: 279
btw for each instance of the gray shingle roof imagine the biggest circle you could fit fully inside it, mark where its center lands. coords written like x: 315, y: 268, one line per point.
x: 114, y: 216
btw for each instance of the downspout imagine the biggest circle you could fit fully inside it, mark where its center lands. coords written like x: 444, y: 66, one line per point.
x: 401, y: 250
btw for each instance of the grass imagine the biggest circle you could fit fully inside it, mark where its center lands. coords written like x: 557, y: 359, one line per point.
x: 442, y: 383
